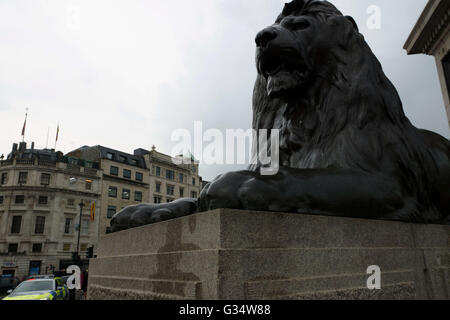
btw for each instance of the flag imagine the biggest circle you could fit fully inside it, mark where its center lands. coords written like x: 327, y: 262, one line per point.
x: 57, y: 132
x: 92, y: 211
x: 24, y: 125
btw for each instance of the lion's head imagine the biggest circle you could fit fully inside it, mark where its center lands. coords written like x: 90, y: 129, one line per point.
x: 319, y: 83
x: 302, y: 46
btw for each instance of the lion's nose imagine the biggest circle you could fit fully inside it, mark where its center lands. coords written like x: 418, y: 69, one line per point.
x: 265, y: 36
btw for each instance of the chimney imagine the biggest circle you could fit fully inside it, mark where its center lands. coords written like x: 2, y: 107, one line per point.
x: 32, y: 147
x: 14, y: 149
x: 22, y: 147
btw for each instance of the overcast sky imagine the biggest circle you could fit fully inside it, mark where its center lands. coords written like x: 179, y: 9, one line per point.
x: 128, y: 73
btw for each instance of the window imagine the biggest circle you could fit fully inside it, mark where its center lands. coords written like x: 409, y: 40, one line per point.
x: 73, y: 161
x: 114, y: 171
x: 126, y: 194
x: 37, y: 247
x: 170, y: 190
x: 122, y: 159
x: 88, y: 185
x: 133, y: 162
x: 158, y: 187
x: 45, y: 179
x: 35, y: 268
x: 139, y: 176
x: 13, y: 247
x: 43, y: 200
x: 157, y: 199
x: 169, y: 200
x: 109, y: 155
x: 181, y: 177
x: 170, y: 174
x: 66, y: 246
x: 40, y: 225
x: 127, y: 173
x: 193, y: 181
x: 138, y: 196
x: 193, y: 194
x: 71, y: 202
x: 4, y: 178
x: 85, y: 227
x: 111, y: 211
x: 158, y: 171
x: 1, y: 199
x: 67, y: 225
x: 16, y: 223
x: 112, y: 192
x: 83, y: 247
x: 23, y: 177
x: 181, y: 192
x: 20, y: 199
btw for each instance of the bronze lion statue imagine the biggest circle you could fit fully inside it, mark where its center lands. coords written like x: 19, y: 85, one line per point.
x: 346, y: 147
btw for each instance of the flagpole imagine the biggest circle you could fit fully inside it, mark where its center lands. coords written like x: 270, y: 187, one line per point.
x: 48, y: 132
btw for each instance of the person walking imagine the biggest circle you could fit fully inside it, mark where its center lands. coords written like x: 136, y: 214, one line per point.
x: 84, y: 282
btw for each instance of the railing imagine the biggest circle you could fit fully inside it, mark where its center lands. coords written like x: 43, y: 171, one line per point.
x: 47, y: 163
x: 6, y: 163
x: 13, y: 253
x: 90, y: 171
x: 73, y: 167
x: 26, y: 162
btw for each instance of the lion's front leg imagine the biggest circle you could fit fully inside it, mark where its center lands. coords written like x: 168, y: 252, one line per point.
x: 335, y: 192
x: 223, y: 192
x: 147, y: 213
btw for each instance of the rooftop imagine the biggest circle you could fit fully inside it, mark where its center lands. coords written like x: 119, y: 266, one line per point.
x: 430, y: 26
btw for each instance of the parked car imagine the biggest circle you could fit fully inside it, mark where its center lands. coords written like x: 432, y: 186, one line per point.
x: 8, y: 283
x: 40, y: 276
x: 50, y: 288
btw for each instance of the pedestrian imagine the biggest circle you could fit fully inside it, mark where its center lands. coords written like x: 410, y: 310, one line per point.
x: 84, y: 281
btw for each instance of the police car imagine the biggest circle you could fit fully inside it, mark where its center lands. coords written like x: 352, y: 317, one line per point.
x: 42, y: 288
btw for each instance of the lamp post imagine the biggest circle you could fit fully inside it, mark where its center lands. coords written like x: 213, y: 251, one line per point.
x: 81, y: 204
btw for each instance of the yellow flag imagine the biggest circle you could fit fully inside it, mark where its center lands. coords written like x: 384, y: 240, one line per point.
x: 92, y: 211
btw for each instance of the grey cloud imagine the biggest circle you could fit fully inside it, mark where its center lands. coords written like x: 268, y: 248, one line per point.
x: 137, y: 70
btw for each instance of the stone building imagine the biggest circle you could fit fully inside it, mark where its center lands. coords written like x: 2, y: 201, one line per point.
x: 40, y: 192
x: 142, y: 177
x: 124, y: 182
x: 431, y: 36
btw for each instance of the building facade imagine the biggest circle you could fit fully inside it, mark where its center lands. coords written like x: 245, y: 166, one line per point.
x: 124, y: 180
x: 431, y: 36
x: 40, y: 193
x: 142, y: 177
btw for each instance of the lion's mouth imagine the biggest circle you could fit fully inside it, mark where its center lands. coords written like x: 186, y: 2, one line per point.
x: 271, y: 66
x: 283, y: 74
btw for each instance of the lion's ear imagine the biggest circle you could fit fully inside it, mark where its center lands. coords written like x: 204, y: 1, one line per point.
x: 353, y: 22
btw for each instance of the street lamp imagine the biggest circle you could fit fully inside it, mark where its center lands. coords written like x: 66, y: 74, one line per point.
x: 81, y: 204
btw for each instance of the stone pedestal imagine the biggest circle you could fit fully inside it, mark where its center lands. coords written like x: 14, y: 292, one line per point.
x: 230, y: 254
